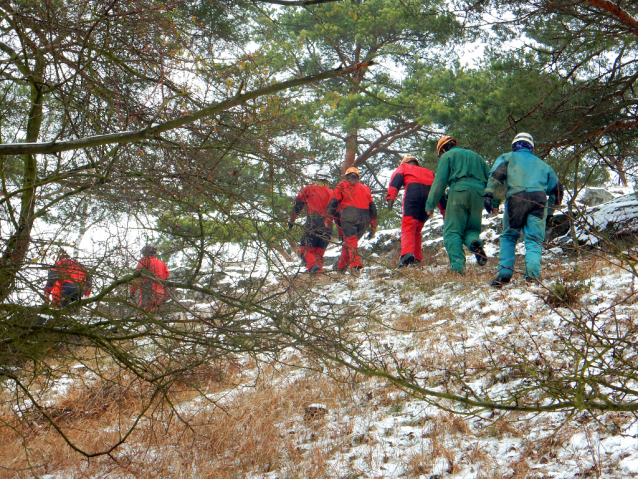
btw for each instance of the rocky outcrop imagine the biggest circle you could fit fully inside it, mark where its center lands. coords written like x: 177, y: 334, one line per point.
x: 616, y: 218
x: 595, y: 196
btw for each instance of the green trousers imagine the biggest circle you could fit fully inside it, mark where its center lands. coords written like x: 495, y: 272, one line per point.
x: 462, y: 223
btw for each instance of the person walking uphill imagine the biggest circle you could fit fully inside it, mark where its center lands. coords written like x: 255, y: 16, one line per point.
x: 354, y: 200
x: 152, y: 294
x: 66, y: 281
x: 530, y: 183
x: 316, y: 234
x: 466, y: 173
x: 417, y: 181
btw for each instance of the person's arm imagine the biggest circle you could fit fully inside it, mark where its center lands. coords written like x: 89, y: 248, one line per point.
x: 300, y: 202
x: 334, y: 203
x: 553, y: 192
x: 396, y: 183
x: 496, y: 181
x: 439, y: 184
x: 88, y: 285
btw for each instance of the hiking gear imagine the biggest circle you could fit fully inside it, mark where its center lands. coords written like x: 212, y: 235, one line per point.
x: 338, y: 267
x: 353, y: 170
x: 530, y: 185
x: 442, y: 142
x: 466, y: 173
x: 417, y: 181
x: 530, y: 281
x: 322, y: 178
x: 406, y: 260
x: 479, y: 253
x: 524, y: 138
x: 390, y: 204
x: 500, y: 281
x: 488, y: 203
x: 410, y: 158
x: 315, y: 269
x: 152, y: 294
x: 372, y: 233
x: 149, y: 250
x: 313, y: 256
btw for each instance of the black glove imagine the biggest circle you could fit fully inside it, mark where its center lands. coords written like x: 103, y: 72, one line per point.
x: 373, y: 232
x: 290, y: 225
x: 487, y: 202
x: 390, y: 204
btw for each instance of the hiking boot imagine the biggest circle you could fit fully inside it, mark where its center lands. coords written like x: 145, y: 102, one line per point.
x: 335, y: 267
x: 356, y: 270
x: 479, y: 253
x: 500, y: 281
x: 406, y: 260
x: 315, y: 269
x: 530, y: 280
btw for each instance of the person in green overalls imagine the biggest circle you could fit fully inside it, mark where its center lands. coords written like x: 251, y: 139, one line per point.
x: 466, y: 173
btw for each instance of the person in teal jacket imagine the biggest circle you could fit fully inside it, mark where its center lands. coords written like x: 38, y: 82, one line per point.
x: 466, y: 173
x: 529, y: 185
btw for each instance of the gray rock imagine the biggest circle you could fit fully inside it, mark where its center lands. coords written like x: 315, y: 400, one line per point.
x: 595, y: 196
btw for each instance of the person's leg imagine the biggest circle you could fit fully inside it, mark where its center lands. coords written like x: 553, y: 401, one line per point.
x: 418, y: 253
x: 311, y: 258
x: 147, y: 295
x: 474, y: 208
x: 349, y: 231
x: 70, y: 294
x: 454, y: 228
x: 534, y: 232
x: 507, y: 252
x: 407, y: 235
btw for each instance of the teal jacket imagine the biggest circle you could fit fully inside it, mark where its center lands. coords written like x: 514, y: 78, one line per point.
x: 456, y: 164
x: 520, y: 171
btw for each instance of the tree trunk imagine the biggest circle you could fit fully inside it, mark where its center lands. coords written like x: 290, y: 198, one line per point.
x: 18, y: 244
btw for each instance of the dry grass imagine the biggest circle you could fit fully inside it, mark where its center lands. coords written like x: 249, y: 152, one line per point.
x: 223, y: 437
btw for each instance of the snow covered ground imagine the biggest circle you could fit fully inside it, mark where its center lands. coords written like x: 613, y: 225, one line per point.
x: 443, y: 330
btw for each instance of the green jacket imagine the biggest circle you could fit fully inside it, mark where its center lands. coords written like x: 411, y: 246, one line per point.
x: 456, y: 164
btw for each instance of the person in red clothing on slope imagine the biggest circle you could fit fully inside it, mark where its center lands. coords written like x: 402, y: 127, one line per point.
x: 417, y: 181
x: 152, y: 294
x: 316, y: 233
x: 66, y: 281
x: 354, y: 200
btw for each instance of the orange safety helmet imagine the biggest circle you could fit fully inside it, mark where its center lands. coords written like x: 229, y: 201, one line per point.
x: 410, y: 158
x: 444, y: 141
x: 354, y: 170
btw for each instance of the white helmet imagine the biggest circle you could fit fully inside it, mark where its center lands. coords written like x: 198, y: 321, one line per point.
x: 525, y: 137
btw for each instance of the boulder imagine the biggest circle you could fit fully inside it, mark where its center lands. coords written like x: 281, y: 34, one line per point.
x: 595, y: 196
x: 616, y: 218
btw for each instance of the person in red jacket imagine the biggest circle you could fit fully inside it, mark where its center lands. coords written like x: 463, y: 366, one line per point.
x: 417, y: 182
x: 316, y: 233
x: 152, y: 294
x: 354, y: 200
x: 66, y: 281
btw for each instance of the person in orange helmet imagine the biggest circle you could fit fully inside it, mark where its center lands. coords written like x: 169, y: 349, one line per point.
x: 465, y: 173
x: 358, y: 210
x: 417, y: 181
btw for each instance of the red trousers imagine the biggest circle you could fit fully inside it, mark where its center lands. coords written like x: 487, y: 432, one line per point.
x: 411, y: 237
x: 313, y: 256
x: 350, y: 253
